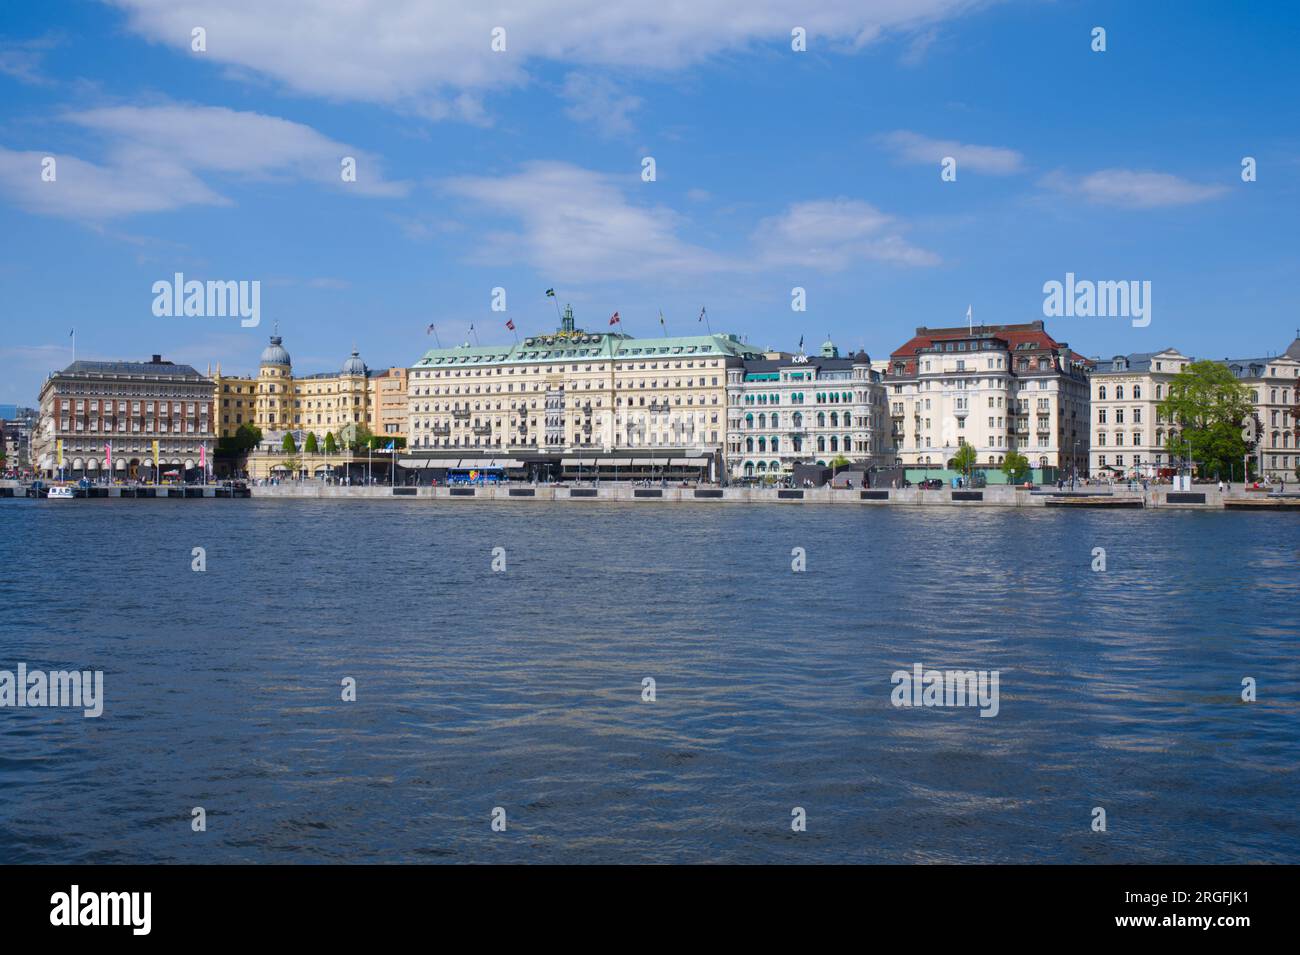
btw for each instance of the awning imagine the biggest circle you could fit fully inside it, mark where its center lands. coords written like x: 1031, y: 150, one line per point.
x: 578, y: 462
x: 691, y: 462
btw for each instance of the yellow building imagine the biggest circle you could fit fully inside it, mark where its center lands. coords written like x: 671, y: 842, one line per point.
x: 277, y: 401
x: 388, y: 403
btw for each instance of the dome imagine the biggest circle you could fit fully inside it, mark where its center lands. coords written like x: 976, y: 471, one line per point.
x: 354, y: 365
x: 274, y: 353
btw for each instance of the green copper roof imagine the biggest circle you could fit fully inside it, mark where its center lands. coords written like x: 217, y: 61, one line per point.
x: 562, y: 346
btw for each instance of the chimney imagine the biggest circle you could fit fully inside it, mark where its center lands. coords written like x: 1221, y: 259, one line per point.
x: 157, y: 359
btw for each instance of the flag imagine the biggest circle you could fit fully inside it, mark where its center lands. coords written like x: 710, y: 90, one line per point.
x: 661, y: 318
x: 471, y: 326
x: 72, y: 332
x: 59, y: 447
x: 550, y: 293
x: 701, y: 318
x: 429, y: 330
x: 391, y: 445
x: 614, y: 319
x: 155, y: 454
x: 801, y: 343
x: 510, y: 324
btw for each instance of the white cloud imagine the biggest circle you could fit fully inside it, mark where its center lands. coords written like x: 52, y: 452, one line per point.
x: 155, y: 156
x: 600, y: 102
x: 832, y: 234
x: 579, y: 224
x: 913, y: 147
x: 1134, y: 189
x: 22, y: 59
x: 576, y: 224
x: 421, y: 54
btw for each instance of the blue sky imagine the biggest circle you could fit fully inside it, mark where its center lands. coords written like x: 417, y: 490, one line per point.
x: 522, y: 170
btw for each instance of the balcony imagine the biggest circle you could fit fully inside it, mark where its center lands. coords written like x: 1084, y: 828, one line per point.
x: 460, y: 413
x: 482, y: 429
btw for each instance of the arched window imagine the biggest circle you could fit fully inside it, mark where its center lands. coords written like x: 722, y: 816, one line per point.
x: 749, y: 445
x: 835, y: 419
x: 835, y: 443
x: 762, y: 444
x: 1119, y: 392
x: 762, y: 420
x: 821, y: 419
x: 776, y: 445
x: 1159, y: 391
x: 848, y: 420
x: 798, y: 419
x: 776, y: 421
x: 1101, y: 392
x: 821, y: 443
x: 798, y: 443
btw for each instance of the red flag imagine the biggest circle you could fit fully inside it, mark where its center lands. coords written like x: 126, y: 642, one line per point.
x: 614, y: 319
x: 510, y: 324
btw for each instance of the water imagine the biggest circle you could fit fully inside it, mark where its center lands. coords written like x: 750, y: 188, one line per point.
x: 522, y: 689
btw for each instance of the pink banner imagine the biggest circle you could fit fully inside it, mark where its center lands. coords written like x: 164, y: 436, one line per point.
x: 108, y: 458
x: 203, y: 456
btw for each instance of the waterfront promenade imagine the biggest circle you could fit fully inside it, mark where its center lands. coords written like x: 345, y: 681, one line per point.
x: 1205, y: 496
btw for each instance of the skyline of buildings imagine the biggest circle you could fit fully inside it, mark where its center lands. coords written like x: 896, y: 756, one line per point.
x: 711, y: 405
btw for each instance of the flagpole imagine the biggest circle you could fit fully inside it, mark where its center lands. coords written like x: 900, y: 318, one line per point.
x: 704, y: 314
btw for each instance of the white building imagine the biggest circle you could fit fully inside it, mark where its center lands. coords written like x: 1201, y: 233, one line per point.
x: 785, y: 408
x: 998, y: 388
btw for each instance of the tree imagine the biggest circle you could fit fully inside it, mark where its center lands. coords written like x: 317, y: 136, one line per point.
x: 331, y: 445
x: 245, y: 439
x: 1015, y: 466
x: 312, y: 446
x: 964, y: 459
x: 288, y: 444
x: 839, y: 462
x: 1206, y: 405
x: 364, y: 438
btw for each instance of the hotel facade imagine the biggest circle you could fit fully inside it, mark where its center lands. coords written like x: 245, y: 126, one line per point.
x: 575, y: 399
x: 998, y: 388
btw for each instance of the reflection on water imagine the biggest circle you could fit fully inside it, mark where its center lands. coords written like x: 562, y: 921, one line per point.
x: 522, y: 689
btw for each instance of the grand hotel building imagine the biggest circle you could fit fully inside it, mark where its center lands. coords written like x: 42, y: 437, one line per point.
x: 575, y: 400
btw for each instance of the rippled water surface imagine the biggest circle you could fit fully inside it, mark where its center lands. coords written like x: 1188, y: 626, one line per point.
x: 522, y: 689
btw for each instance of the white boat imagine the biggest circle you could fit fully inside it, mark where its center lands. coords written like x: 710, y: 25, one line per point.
x: 58, y: 493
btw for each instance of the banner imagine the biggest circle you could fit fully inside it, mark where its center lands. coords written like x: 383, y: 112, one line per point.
x: 155, y: 454
x: 59, y: 448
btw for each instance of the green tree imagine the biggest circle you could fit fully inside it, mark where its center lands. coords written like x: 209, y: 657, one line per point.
x: 288, y: 444
x: 245, y: 439
x: 312, y: 446
x: 1015, y: 466
x: 331, y: 445
x: 1206, y: 405
x: 839, y: 462
x: 365, y: 438
x: 964, y: 459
